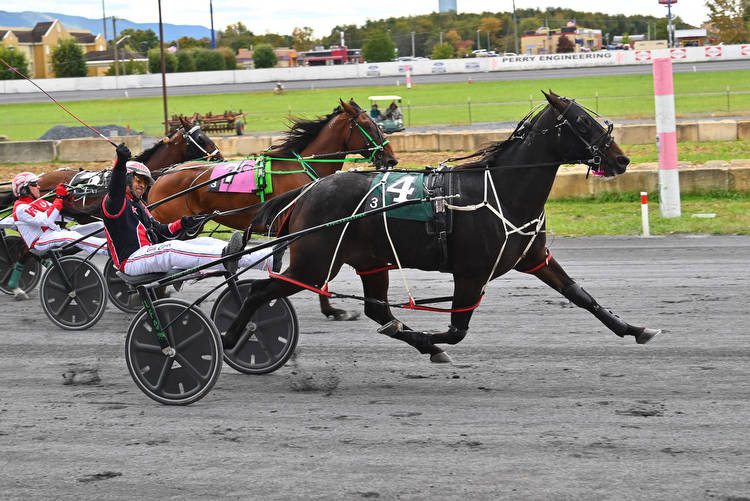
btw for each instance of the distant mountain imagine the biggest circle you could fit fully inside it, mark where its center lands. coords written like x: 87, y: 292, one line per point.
x: 171, y: 31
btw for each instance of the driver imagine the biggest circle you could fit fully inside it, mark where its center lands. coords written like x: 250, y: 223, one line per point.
x: 139, y: 244
x: 36, y: 221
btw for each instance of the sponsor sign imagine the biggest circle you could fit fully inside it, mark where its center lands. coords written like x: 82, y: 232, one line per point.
x: 643, y: 55
x: 745, y: 50
x: 678, y: 53
x: 713, y: 51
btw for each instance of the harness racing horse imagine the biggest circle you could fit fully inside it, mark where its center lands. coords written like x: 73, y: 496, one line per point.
x: 498, y: 225
x: 349, y: 129
x: 188, y: 142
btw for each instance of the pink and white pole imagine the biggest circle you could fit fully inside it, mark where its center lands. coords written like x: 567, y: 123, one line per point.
x: 644, y: 214
x: 666, y: 138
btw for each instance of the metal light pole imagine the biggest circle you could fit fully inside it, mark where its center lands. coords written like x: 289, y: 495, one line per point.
x: 104, y: 22
x: 213, y: 38
x: 515, y: 27
x: 114, y: 45
x: 670, y: 34
x: 478, y: 45
x: 163, y: 73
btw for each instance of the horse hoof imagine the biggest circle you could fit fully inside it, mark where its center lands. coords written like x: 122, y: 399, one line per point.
x: 441, y: 358
x: 341, y: 316
x: 647, y: 335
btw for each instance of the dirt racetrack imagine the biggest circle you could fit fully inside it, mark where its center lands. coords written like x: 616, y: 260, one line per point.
x: 541, y: 402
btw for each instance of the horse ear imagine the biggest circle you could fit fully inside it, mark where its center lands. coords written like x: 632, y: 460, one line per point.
x: 348, y: 108
x: 553, y: 99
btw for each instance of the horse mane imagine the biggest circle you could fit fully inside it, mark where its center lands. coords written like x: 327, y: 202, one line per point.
x: 489, y: 153
x: 302, y: 132
x: 146, y: 154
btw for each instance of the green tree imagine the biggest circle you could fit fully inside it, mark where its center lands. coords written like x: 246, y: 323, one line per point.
x: 230, y: 59
x: 728, y: 20
x: 185, y: 60
x: 379, y: 48
x: 140, y: 40
x: 442, y: 51
x: 129, y: 68
x: 17, y: 60
x: 154, y: 61
x: 68, y: 60
x: 236, y: 36
x: 302, y: 39
x: 192, y: 43
x: 264, y: 56
x: 208, y: 60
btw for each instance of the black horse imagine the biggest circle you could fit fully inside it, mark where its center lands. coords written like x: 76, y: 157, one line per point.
x: 494, y: 225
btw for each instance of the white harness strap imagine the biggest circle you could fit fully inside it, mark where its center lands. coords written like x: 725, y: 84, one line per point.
x: 509, y: 227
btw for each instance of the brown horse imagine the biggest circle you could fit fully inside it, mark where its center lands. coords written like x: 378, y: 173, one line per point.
x: 188, y: 142
x: 348, y: 129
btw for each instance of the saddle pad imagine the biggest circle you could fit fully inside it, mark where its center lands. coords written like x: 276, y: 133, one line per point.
x: 249, y: 175
x: 399, y: 187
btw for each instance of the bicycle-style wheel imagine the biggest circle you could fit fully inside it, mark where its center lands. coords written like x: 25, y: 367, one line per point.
x: 124, y: 298
x: 32, y: 268
x: 73, y: 293
x: 192, y: 371
x: 268, y: 340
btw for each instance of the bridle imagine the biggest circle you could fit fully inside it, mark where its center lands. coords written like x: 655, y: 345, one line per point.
x: 193, y: 143
x: 596, y: 149
x: 376, y: 150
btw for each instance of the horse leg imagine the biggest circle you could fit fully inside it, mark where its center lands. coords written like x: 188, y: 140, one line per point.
x: 375, y: 286
x: 261, y: 292
x: 466, y: 295
x: 553, y: 275
x: 335, y: 313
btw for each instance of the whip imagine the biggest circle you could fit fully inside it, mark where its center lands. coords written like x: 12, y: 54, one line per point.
x: 60, y: 105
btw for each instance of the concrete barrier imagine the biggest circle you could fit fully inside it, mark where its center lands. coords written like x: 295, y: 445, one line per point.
x: 739, y: 175
x: 28, y: 151
x: 743, y: 129
x: 95, y: 149
x: 718, y: 130
x: 635, y: 133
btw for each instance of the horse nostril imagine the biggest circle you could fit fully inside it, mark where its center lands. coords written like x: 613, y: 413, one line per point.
x: 392, y: 162
x: 622, y: 161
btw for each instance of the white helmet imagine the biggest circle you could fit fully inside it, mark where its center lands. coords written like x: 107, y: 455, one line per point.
x: 137, y: 168
x: 21, y: 181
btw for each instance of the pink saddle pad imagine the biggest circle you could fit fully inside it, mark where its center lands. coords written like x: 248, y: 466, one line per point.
x: 241, y: 180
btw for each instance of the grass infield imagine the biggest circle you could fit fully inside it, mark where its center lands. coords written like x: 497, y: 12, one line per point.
x: 621, y: 97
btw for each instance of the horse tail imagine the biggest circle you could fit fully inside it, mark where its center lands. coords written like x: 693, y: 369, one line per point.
x: 268, y: 215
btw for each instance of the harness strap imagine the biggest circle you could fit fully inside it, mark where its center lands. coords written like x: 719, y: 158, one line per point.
x: 542, y: 264
x: 377, y: 270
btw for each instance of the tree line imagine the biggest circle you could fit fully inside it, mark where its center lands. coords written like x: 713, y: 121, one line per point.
x: 441, y: 35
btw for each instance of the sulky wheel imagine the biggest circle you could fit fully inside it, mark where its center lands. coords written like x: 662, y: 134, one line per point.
x: 269, y: 338
x: 119, y: 293
x: 10, y: 251
x: 73, y: 293
x: 192, y: 371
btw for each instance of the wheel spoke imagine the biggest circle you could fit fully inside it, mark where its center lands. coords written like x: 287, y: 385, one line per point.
x: 146, y: 347
x: 84, y: 288
x: 63, y: 305
x: 185, y: 342
x: 187, y: 365
x: 165, y: 369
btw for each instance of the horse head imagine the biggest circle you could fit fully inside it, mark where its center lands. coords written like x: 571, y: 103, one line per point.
x: 586, y: 138
x: 198, y: 144
x: 364, y: 134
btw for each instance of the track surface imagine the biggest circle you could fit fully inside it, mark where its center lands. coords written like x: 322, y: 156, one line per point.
x: 542, y: 401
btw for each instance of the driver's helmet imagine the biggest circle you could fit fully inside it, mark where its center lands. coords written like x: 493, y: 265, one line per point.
x: 139, y: 169
x: 21, y: 181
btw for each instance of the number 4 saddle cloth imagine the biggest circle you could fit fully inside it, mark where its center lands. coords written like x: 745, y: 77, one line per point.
x: 249, y: 175
x: 395, y: 187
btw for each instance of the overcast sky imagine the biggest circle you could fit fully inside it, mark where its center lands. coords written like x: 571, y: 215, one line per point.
x: 322, y: 15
